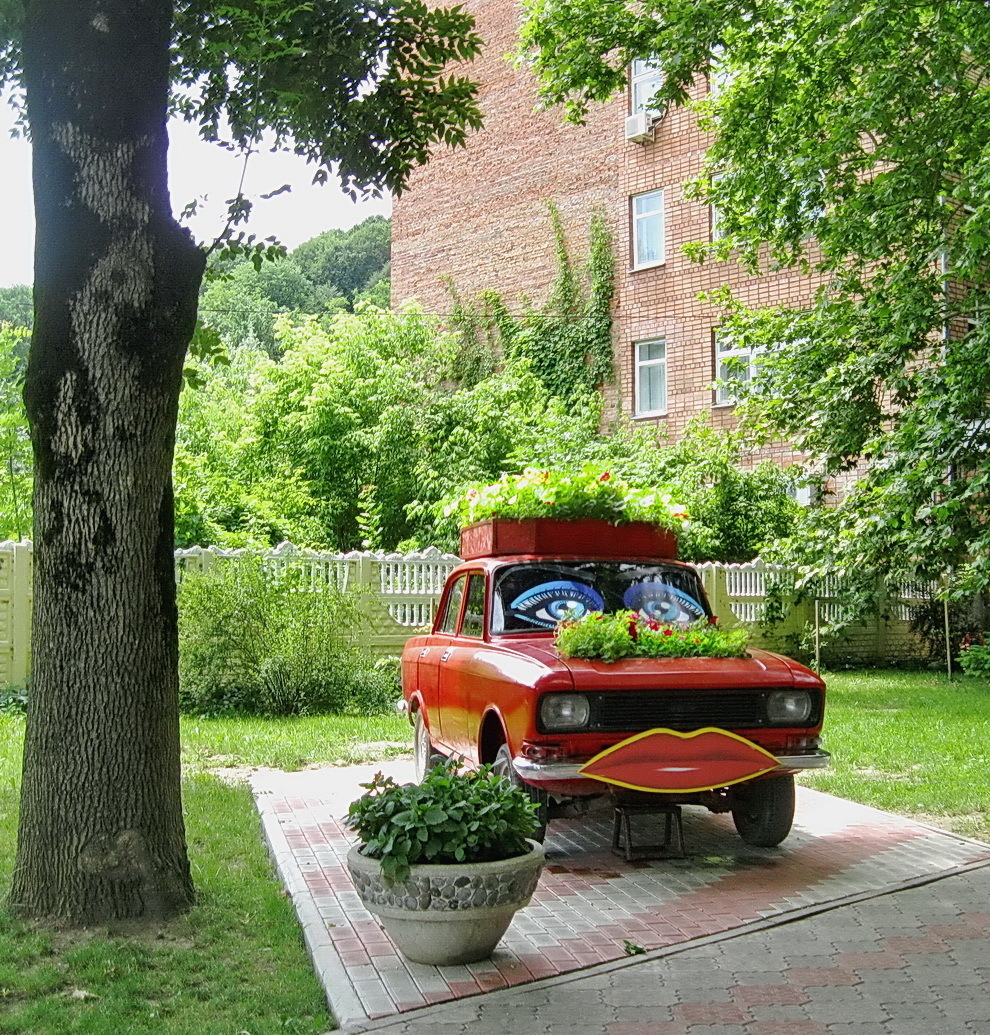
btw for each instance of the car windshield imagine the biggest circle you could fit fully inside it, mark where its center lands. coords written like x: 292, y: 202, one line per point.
x: 531, y: 597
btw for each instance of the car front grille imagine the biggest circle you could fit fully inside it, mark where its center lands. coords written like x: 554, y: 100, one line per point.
x: 679, y: 710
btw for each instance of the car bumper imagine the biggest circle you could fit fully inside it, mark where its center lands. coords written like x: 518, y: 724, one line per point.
x: 555, y: 772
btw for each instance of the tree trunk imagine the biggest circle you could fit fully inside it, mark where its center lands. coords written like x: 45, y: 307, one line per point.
x: 101, y: 833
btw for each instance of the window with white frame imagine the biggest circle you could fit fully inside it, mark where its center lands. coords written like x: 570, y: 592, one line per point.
x: 645, y: 78
x: 716, y: 229
x: 647, y: 229
x: 734, y: 365
x: 720, y: 76
x: 651, y: 377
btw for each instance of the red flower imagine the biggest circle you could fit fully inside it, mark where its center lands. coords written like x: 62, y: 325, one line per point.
x: 668, y: 632
x: 713, y: 619
x: 604, y: 477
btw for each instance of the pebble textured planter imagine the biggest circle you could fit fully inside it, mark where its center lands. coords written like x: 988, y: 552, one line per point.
x: 450, y: 913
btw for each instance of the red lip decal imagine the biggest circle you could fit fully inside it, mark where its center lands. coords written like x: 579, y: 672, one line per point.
x: 668, y: 762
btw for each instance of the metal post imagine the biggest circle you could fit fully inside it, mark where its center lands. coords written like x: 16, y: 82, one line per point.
x: 948, y: 641
x: 818, y: 635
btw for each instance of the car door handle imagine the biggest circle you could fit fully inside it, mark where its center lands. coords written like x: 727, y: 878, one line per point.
x: 446, y: 654
x: 424, y: 652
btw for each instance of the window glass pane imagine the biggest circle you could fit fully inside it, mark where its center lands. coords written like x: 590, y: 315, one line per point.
x: 646, y: 78
x: 648, y: 228
x: 651, y: 376
x: 652, y: 350
x: 534, y: 598
x: 448, y: 623
x: 649, y: 204
x: 654, y: 389
x: 474, y: 613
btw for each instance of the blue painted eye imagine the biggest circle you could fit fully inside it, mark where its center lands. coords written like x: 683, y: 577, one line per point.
x: 662, y: 602
x: 544, y: 605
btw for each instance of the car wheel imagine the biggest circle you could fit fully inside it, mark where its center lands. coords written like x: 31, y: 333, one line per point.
x: 763, y: 811
x: 502, y: 766
x: 424, y: 757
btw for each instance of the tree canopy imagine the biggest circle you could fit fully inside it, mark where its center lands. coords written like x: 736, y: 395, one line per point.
x: 849, y: 138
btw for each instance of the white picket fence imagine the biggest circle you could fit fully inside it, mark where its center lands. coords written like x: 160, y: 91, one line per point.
x: 398, y: 595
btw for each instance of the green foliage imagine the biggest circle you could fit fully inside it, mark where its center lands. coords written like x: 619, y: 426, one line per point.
x: 348, y: 261
x: 588, y: 492
x: 366, y: 86
x: 974, y: 657
x: 223, y: 495
x: 362, y: 433
x: 16, y: 479
x: 848, y: 141
x: 627, y: 634
x: 370, y: 414
x: 259, y: 638
x: 13, y: 700
x: 325, y: 275
x: 568, y: 342
x: 452, y: 816
x: 17, y: 307
x: 736, y: 512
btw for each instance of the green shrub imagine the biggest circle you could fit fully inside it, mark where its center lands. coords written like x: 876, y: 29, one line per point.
x: 13, y: 700
x: 257, y: 638
x: 589, y: 492
x: 454, y: 815
x: 974, y: 656
x: 627, y: 634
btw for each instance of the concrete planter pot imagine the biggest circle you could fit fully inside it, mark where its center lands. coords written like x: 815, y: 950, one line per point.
x: 445, y: 914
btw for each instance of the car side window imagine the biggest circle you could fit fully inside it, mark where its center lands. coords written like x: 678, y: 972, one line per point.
x: 474, y: 613
x: 448, y: 621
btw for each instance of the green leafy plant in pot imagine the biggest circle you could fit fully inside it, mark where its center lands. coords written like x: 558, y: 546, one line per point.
x: 446, y: 863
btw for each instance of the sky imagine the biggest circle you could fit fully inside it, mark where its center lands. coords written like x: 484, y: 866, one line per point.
x: 196, y: 169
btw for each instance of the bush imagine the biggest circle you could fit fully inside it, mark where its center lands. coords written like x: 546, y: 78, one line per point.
x: 256, y: 638
x: 454, y: 815
x: 627, y: 634
x: 13, y: 700
x: 974, y: 656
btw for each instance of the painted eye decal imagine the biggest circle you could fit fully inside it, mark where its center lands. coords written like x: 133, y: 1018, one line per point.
x: 662, y: 602
x: 544, y: 605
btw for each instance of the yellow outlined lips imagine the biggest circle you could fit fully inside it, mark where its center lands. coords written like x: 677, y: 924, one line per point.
x: 664, y: 761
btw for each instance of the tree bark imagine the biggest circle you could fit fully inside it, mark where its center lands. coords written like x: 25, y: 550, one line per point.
x: 101, y: 833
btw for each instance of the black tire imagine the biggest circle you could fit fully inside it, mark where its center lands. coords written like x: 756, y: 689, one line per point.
x: 763, y: 811
x: 502, y: 766
x: 424, y: 757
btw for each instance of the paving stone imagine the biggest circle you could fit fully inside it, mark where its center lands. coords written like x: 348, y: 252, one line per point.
x: 767, y: 1013
x: 976, y: 1009
x: 844, y: 961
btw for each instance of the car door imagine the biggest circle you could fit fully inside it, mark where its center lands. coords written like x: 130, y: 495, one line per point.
x: 429, y: 660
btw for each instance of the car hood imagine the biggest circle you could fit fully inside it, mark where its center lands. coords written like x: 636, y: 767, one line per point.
x: 758, y: 669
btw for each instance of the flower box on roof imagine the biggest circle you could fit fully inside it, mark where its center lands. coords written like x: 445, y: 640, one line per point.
x: 582, y: 537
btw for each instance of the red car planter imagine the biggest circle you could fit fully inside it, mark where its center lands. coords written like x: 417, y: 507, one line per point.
x: 488, y: 683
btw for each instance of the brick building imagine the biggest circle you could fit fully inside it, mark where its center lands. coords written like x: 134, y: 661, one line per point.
x: 479, y: 216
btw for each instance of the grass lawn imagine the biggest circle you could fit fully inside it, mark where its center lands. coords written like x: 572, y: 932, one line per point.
x: 235, y: 965
x: 911, y: 743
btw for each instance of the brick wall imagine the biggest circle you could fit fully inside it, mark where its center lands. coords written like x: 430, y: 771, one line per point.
x: 479, y: 216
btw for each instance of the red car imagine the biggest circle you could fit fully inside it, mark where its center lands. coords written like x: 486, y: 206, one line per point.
x: 489, y: 685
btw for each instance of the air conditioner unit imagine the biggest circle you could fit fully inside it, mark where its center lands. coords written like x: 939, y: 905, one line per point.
x: 639, y: 127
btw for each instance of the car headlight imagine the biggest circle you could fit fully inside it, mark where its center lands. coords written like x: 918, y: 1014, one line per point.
x: 564, y: 712
x: 789, y: 707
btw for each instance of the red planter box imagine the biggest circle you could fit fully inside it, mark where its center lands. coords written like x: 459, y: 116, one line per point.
x: 586, y: 537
